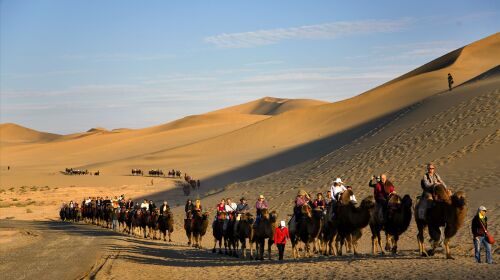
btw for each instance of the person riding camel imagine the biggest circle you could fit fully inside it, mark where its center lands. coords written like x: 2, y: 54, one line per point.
x: 242, y: 207
x: 382, y: 188
x: 337, y: 189
x: 145, y: 205
x: 319, y: 202
x: 430, y: 180
x: 189, y: 207
x: 221, y: 208
x: 197, y: 206
x: 165, y: 208
x: 301, y: 200
x: 260, y: 205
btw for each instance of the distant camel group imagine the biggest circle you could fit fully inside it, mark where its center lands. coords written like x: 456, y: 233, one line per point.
x: 71, y: 171
x: 157, y: 173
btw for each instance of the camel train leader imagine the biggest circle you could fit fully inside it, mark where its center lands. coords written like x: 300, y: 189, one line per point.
x: 479, y: 229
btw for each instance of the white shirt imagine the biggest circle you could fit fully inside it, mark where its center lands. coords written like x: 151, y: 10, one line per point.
x: 337, y: 190
x: 230, y: 207
x: 145, y: 205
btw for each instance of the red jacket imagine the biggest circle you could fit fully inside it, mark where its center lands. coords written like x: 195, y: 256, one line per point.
x: 381, y: 192
x: 281, y: 235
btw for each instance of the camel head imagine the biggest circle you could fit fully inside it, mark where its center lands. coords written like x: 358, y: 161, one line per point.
x: 265, y: 213
x: 407, y: 201
x: 368, y: 202
x: 273, y: 216
x: 306, y: 210
x: 458, y: 199
x: 394, y: 199
x: 345, y: 197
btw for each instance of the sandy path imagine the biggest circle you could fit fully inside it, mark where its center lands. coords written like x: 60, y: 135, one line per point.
x: 58, y: 251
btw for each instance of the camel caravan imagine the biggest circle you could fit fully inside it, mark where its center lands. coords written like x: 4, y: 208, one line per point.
x: 71, y: 171
x: 144, y: 220
x: 157, y: 173
x: 326, y: 226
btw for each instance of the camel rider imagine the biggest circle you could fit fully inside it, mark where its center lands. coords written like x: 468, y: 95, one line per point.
x: 337, y: 189
x: 197, y: 206
x: 431, y: 179
x: 189, y: 207
x: 151, y: 206
x: 302, y: 199
x: 221, y: 208
x: 145, y: 205
x: 242, y: 207
x: 328, y: 198
x: 382, y: 188
x: 230, y: 209
x: 259, y: 206
x: 165, y: 208
x: 319, y: 202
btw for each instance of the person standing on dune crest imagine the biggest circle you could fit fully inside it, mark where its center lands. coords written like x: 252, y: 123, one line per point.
x: 450, y: 81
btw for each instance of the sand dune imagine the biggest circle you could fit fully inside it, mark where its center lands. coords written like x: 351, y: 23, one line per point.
x: 270, y: 106
x: 15, y: 134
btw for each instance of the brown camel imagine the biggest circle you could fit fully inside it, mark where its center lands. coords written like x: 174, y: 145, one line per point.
x: 265, y: 230
x: 352, y: 219
x: 446, y: 211
x: 218, y: 231
x: 188, y: 227
x: 309, y: 228
x: 244, y: 231
x: 398, y: 219
x: 199, y: 227
x: 329, y: 233
x: 166, y: 224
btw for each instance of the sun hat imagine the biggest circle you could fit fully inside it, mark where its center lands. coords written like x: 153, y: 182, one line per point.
x: 481, y: 208
x: 261, y: 196
x: 243, y: 198
x: 282, y: 224
x: 302, y: 192
x: 338, y: 180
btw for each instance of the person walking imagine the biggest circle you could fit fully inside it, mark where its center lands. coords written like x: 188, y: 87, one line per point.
x: 450, y: 81
x: 479, y: 229
x: 280, y: 237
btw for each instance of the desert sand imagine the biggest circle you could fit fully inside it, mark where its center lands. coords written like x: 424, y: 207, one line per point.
x: 274, y: 147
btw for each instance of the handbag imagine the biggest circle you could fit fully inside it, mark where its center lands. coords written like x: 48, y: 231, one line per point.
x: 489, y: 237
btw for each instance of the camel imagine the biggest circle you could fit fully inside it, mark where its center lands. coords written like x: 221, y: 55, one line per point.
x: 244, y: 231
x: 446, y: 211
x: 398, y: 219
x: 188, y: 227
x: 218, y: 231
x: 199, y: 227
x: 265, y: 230
x: 166, y: 223
x: 329, y: 233
x: 152, y: 223
x: 230, y: 237
x: 376, y: 226
x: 352, y: 219
x: 309, y: 228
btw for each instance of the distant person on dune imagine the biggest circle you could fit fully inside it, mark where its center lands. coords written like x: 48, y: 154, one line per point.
x: 450, y: 81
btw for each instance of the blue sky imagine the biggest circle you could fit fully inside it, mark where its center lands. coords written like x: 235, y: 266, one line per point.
x: 67, y: 66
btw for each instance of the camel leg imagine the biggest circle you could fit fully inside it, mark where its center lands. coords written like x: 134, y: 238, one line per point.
x: 215, y: 245
x: 388, y: 242
x: 269, y: 245
x: 169, y: 236
x: 447, y: 249
x: 394, y: 245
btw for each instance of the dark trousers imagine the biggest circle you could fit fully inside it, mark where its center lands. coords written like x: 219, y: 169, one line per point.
x: 281, y: 250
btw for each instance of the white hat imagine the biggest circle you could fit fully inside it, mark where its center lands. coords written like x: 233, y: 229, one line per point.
x: 282, y: 224
x: 338, y: 180
x: 481, y: 208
